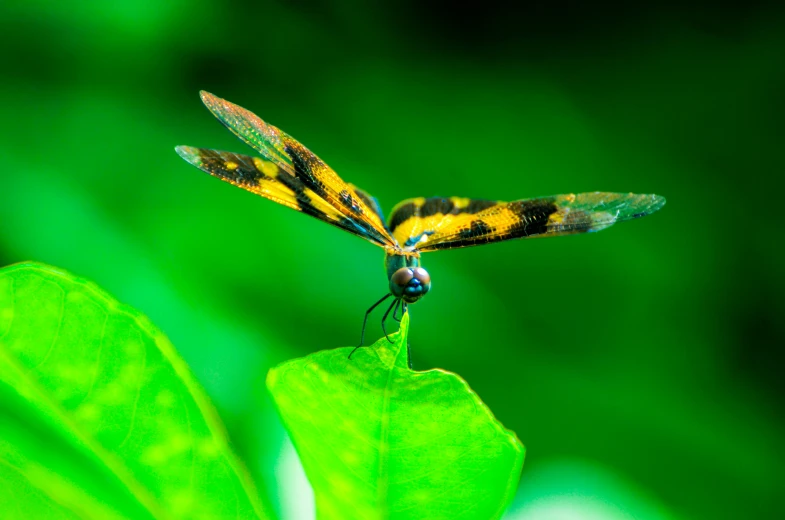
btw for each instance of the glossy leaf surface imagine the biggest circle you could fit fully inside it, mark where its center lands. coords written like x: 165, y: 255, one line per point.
x: 379, y: 440
x: 87, y: 372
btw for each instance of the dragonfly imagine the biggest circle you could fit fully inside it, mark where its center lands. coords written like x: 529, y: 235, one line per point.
x: 286, y: 172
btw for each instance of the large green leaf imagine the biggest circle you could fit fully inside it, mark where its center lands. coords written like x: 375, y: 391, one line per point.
x: 99, y: 416
x: 379, y: 440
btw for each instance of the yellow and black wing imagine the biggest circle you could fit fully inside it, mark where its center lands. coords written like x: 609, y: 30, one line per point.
x: 443, y: 223
x: 287, y: 173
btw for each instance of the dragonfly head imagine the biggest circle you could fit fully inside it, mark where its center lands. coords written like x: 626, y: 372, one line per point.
x: 410, y: 283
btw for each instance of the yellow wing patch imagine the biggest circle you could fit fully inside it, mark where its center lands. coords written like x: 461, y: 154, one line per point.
x: 284, y: 152
x: 443, y: 223
x: 291, y: 175
x: 269, y: 181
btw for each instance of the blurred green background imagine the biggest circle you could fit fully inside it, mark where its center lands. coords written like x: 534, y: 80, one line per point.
x: 641, y: 366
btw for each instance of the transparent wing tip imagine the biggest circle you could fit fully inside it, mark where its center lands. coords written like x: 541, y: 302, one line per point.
x: 189, y: 153
x: 655, y: 203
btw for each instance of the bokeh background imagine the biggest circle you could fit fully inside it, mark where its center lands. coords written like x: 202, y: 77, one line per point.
x: 642, y: 366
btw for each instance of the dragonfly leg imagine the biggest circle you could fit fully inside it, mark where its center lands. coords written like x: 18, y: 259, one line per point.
x: 365, y: 321
x: 384, y: 318
x: 395, y: 311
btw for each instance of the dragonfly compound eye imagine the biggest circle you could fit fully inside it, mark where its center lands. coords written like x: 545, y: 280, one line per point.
x: 410, y: 283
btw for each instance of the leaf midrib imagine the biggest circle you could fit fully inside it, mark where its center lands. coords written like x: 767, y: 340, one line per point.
x: 384, y: 445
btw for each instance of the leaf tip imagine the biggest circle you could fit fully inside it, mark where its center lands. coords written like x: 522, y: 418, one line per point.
x: 272, y: 378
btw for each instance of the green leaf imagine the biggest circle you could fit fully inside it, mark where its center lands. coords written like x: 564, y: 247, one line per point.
x: 102, y: 418
x: 379, y: 440
x: 29, y: 489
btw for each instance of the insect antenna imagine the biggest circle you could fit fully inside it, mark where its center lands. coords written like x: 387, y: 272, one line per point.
x: 365, y: 321
x: 384, y: 318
